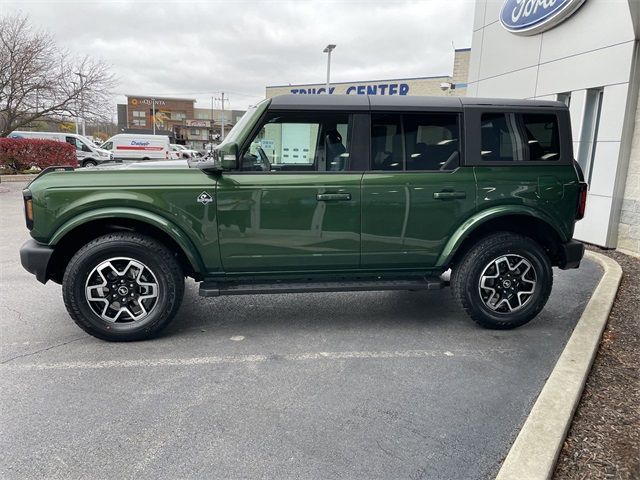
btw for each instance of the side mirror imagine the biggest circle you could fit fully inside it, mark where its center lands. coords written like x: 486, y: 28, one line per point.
x: 229, y: 157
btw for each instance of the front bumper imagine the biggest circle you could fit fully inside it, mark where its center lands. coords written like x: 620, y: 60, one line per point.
x: 570, y: 254
x: 35, y: 259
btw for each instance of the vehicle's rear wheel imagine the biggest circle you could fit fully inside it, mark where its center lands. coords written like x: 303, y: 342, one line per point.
x: 89, y: 163
x: 123, y: 286
x: 503, y: 281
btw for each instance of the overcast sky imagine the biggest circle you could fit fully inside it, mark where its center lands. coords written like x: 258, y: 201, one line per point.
x: 195, y: 49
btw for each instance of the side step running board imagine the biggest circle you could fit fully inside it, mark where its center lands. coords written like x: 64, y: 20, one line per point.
x: 215, y: 289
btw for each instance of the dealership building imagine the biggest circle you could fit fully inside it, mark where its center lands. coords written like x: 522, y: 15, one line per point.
x: 583, y: 53
x: 454, y: 84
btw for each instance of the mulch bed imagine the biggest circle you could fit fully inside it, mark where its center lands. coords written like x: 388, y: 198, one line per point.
x: 604, y: 438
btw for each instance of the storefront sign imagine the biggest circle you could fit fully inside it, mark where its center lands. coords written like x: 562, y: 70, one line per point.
x: 362, y: 89
x: 146, y: 101
x: 530, y: 17
x: 197, y: 123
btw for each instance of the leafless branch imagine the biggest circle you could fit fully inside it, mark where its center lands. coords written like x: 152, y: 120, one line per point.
x: 39, y: 81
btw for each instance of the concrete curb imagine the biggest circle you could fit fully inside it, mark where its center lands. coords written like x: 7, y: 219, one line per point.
x: 17, y: 178
x: 534, y: 454
x: 629, y: 253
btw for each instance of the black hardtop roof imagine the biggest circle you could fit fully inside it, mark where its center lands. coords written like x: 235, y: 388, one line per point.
x: 399, y: 102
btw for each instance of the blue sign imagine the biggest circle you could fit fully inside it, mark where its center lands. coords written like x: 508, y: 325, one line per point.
x: 371, y: 89
x: 529, y: 17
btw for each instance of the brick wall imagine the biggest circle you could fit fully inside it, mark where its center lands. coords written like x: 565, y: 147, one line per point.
x: 629, y: 227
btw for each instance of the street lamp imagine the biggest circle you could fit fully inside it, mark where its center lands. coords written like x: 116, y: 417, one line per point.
x: 328, y: 49
x: 81, y: 75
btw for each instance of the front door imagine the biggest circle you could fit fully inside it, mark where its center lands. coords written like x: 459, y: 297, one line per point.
x: 295, y: 202
x: 416, y: 194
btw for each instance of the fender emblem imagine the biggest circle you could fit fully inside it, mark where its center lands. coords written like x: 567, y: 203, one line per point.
x: 204, y: 198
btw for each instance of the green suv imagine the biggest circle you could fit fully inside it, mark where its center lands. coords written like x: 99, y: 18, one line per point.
x: 322, y: 193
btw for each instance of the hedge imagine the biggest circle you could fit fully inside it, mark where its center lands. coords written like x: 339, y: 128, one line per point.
x: 23, y: 153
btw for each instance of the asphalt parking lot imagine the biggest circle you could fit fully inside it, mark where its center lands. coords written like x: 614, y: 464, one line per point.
x: 339, y: 385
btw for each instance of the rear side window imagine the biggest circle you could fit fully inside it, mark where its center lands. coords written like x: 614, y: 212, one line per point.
x: 414, y: 142
x: 520, y: 137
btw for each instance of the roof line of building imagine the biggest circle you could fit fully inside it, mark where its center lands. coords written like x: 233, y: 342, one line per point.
x: 321, y: 84
x: 158, y: 97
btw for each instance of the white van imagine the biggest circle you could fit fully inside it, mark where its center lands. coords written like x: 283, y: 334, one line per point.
x: 127, y: 146
x: 88, y: 154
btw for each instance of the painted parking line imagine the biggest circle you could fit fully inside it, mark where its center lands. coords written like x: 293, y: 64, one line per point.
x: 251, y: 359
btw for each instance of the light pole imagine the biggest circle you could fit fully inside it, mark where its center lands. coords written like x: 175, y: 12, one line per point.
x: 328, y: 49
x: 81, y: 101
x: 153, y: 114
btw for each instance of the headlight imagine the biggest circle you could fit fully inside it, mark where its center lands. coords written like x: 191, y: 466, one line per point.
x: 28, y: 208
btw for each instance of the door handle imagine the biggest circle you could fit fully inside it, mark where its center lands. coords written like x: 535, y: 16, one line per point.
x: 333, y: 197
x: 449, y: 195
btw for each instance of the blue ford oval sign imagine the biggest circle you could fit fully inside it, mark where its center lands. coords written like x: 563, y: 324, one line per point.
x: 529, y: 17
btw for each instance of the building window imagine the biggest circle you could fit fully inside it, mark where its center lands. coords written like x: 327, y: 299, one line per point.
x: 137, y: 122
x: 178, y: 115
x: 139, y: 114
x: 196, y: 132
x: 589, y: 134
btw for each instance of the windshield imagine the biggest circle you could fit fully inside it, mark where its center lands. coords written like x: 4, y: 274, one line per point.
x: 246, y: 119
x: 85, y: 141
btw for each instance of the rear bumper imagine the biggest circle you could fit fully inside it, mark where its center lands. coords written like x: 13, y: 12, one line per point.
x: 570, y: 254
x: 35, y: 259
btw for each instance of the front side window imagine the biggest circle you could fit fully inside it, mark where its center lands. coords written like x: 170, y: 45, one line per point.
x: 414, y: 142
x: 309, y: 141
x: 509, y: 137
x: 107, y: 146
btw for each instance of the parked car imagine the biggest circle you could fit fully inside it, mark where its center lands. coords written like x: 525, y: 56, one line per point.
x: 322, y: 193
x: 88, y: 154
x: 184, y: 152
x: 127, y: 146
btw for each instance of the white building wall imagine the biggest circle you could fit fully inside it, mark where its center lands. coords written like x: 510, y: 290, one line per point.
x: 594, y: 48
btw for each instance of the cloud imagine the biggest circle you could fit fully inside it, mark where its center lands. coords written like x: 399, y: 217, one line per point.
x: 195, y: 49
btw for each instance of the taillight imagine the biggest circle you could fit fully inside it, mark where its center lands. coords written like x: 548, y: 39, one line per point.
x: 582, y: 200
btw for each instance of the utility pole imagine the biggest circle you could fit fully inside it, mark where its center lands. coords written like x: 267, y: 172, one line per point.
x: 153, y: 114
x: 222, y: 100
x: 211, y: 123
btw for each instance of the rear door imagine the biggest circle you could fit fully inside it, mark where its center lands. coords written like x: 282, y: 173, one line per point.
x: 295, y: 203
x: 416, y: 193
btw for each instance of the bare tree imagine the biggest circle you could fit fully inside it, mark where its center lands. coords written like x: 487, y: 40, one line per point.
x: 40, y: 81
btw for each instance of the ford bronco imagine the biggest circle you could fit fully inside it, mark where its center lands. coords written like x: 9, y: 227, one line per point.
x: 322, y: 193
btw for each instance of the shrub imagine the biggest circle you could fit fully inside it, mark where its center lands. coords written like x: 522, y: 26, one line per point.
x: 23, y: 153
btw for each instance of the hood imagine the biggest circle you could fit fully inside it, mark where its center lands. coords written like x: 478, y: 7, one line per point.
x: 160, y: 164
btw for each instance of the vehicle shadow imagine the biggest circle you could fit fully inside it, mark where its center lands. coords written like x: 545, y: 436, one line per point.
x: 330, y: 311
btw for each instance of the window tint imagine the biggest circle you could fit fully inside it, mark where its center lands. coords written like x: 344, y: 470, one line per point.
x: 508, y: 137
x: 431, y: 141
x: 414, y: 141
x: 310, y: 141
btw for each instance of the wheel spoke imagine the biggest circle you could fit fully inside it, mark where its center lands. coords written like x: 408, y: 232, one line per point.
x: 122, y: 290
x: 507, y: 283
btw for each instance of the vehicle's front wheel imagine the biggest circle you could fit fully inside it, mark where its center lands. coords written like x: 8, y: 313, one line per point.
x: 503, y: 281
x: 123, y: 286
x: 89, y: 163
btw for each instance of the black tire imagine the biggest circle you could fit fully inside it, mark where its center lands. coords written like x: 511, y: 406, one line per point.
x: 466, y: 280
x: 162, y: 270
x: 89, y: 163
